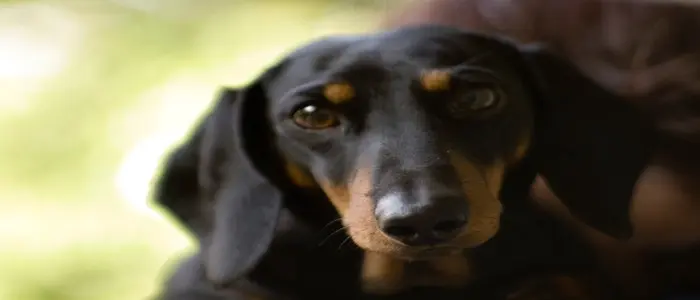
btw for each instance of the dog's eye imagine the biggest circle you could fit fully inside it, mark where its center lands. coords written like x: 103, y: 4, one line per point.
x: 475, y: 101
x: 314, y: 117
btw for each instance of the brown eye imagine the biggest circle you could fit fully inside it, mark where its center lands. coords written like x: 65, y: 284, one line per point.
x: 314, y: 117
x: 475, y: 101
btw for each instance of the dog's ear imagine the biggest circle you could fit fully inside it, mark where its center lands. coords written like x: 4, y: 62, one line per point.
x: 236, y: 154
x: 590, y: 145
x: 216, y: 184
x: 177, y: 187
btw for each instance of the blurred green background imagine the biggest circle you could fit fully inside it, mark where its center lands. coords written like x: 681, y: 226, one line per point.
x: 93, y: 92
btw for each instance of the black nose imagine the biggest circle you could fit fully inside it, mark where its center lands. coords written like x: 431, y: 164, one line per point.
x: 433, y: 222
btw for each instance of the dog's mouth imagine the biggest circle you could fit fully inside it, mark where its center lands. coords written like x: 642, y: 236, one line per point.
x: 377, y: 241
x: 367, y: 233
x: 431, y: 251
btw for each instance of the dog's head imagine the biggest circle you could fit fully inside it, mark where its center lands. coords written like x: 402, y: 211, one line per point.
x: 409, y: 134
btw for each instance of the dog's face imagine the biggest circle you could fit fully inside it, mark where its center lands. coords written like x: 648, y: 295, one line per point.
x: 410, y: 142
x: 409, y: 134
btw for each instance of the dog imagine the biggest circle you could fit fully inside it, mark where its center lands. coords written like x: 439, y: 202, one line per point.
x: 415, y: 149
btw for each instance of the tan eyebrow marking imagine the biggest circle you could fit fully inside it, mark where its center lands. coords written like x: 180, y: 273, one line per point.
x: 435, y: 80
x: 338, y: 92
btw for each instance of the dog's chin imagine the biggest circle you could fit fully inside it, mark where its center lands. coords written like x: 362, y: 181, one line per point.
x: 391, y: 267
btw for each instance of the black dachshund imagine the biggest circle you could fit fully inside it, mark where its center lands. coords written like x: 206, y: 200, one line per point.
x: 399, y: 164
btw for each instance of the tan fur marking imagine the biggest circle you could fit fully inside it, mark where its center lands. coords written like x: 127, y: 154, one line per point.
x: 451, y: 270
x: 299, y: 176
x: 382, y: 274
x: 494, y: 178
x: 481, y: 186
x: 520, y: 150
x: 338, y: 195
x: 435, y: 80
x: 482, y: 189
x: 456, y: 267
x: 359, y: 217
x: 339, y: 92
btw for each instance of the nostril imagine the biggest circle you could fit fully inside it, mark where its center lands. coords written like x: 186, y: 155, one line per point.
x: 400, y: 231
x: 448, y: 226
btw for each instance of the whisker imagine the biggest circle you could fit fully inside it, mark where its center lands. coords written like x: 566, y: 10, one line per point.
x: 331, y: 222
x: 330, y: 235
x: 343, y: 243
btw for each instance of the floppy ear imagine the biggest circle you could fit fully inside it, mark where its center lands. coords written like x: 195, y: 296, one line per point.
x: 235, y: 154
x: 177, y: 188
x: 591, y: 146
x: 215, y: 184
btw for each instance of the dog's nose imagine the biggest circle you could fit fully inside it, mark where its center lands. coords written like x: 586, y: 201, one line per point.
x: 432, y: 222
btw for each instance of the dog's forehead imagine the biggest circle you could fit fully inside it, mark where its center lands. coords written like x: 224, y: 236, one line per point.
x: 408, y: 49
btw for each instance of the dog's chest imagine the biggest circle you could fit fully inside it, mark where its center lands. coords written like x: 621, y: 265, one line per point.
x: 529, y: 242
